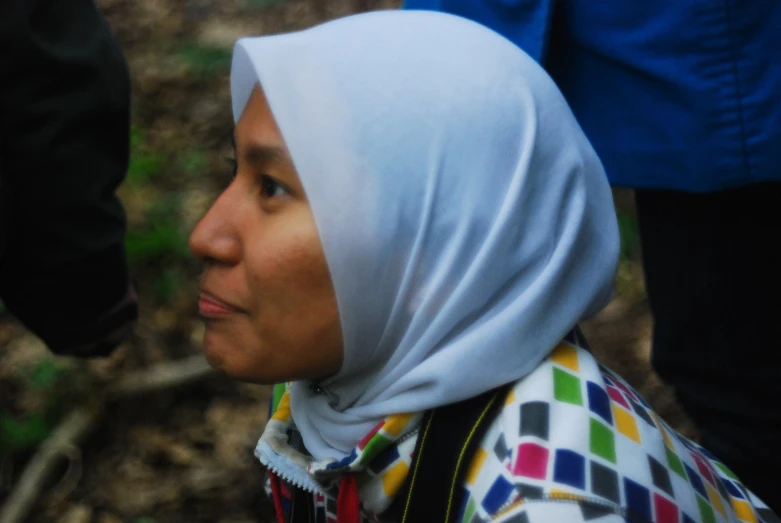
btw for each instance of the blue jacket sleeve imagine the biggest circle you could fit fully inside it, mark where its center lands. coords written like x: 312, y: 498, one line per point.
x: 526, y: 23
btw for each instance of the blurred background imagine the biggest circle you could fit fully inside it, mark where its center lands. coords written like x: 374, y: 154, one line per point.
x: 184, y: 454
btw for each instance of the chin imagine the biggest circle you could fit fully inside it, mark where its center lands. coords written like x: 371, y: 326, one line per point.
x: 223, y: 356
x: 229, y: 365
x: 216, y: 361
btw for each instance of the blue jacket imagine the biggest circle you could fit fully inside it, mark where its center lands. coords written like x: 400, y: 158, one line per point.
x: 673, y: 94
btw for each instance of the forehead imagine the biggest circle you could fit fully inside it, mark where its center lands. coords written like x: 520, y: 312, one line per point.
x: 256, y: 124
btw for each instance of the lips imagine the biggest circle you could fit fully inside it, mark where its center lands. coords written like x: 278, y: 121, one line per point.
x: 210, y: 306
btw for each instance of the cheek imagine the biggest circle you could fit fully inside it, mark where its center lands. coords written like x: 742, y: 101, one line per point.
x: 291, y: 287
x: 285, y: 259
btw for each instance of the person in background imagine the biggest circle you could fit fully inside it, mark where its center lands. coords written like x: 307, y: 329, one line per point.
x: 415, y: 227
x: 64, y: 146
x: 682, y: 102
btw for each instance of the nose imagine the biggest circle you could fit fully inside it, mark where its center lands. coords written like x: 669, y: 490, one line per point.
x: 215, y: 237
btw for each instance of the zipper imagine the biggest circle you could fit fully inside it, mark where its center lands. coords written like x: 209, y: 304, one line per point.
x: 291, y: 480
x: 283, y: 467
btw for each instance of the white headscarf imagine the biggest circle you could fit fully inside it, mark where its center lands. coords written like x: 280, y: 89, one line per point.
x: 466, y: 221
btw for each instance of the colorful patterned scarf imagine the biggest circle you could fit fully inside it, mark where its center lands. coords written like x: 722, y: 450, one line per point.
x: 379, y: 463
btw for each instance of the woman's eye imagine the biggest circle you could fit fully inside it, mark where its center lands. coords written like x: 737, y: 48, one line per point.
x: 270, y: 188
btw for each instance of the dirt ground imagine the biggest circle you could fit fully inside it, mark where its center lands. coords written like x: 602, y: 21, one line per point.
x: 186, y: 455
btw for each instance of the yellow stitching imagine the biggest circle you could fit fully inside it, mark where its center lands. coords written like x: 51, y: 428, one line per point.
x: 461, y: 455
x: 415, y: 470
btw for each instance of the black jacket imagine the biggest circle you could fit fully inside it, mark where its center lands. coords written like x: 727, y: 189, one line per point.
x: 64, y: 147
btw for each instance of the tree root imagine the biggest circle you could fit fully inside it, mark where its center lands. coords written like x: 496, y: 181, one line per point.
x: 160, y: 377
x: 81, y: 420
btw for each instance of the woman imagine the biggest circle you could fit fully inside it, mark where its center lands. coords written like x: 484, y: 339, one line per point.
x: 415, y: 228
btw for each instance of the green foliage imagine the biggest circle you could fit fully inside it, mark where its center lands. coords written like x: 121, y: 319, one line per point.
x: 155, y: 243
x: 43, y: 376
x: 159, y: 247
x: 21, y: 434
x: 630, y: 236
x: 194, y: 163
x: 136, y: 137
x: 205, y: 60
x: 160, y: 239
x: 145, y: 520
x: 166, y: 284
x: 142, y: 166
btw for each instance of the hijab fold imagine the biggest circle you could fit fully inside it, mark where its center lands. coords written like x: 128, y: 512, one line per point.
x: 466, y: 221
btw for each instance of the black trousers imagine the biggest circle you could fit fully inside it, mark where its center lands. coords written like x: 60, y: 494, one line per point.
x: 713, y: 274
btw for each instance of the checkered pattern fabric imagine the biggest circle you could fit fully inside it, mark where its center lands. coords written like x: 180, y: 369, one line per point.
x: 573, y: 443
x: 380, y: 462
x: 573, y: 431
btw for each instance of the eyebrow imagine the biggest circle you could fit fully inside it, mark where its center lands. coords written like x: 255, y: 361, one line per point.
x: 255, y: 153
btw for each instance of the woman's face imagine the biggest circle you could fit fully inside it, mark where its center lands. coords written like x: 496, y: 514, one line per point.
x: 266, y: 293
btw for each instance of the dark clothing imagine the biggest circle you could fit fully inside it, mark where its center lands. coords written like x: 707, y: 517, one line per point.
x: 64, y: 147
x: 713, y: 273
